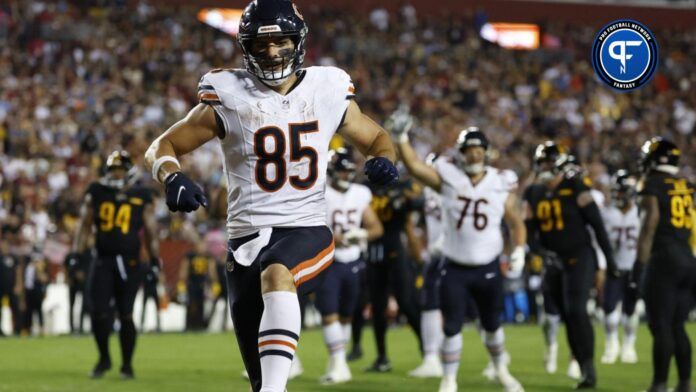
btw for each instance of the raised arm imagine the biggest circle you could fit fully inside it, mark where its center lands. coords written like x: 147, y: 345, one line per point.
x: 399, y: 124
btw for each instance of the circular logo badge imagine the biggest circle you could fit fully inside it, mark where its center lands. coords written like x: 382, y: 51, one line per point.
x: 625, y: 54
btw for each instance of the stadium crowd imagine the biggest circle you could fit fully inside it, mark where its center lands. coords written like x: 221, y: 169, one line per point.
x: 78, y: 81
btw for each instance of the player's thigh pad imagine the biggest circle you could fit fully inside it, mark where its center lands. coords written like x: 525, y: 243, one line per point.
x: 454, y: 296
x: 487, y: 291
x: 329, y: 290
x: 305, y: 251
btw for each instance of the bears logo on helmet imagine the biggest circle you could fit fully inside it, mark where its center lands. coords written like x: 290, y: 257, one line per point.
x: 272, y: 18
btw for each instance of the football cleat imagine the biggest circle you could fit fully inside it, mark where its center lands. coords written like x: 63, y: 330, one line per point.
x: 355, y: 354
x: 448, y: 384
x: 611, y: 352
x: 629, y: 355
x: 380, y: 365
x: 506, y: 379
x: 489, y: 372
x: 430, y: 368
x: 551, y: 358
x: 296, y: 368
x: 127, y: 373
x: 99, y: 370
x: 574, y: 370
x: 337, y: 372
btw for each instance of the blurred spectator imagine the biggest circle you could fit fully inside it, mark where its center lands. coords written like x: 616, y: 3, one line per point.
x: 80, y: 79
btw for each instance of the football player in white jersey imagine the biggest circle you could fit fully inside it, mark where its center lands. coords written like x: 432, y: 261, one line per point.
x: 623, y: 225
x: 431, y: 317
x: 274, y: 120
x: 353, y: 223
x: 476, y: 198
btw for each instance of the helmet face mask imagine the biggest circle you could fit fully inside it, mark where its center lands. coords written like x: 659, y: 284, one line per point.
x: 341, y: 169
x: 272, y: 21
x: 550, y: 160
x: 473, y: 146
x: 623, y: 188
x: 120, y: 170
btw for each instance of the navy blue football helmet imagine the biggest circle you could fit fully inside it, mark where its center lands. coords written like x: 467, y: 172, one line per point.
x: 272, y: 18
x: 341, y: 161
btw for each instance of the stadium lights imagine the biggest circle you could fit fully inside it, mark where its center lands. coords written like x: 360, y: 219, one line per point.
x: 225, y: 19
x: 512, y: 35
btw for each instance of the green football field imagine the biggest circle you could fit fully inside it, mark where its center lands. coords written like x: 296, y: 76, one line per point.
x: 210, y: 362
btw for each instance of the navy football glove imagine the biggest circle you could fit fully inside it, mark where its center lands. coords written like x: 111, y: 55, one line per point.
x: 183, y: 194
x: 381, y: 171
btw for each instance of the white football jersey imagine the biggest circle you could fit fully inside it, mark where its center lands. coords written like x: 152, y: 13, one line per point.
x: 275, y: 146
x: 473, y: 214
x: 345, y: 212
x: 623, y: 232
x: 433, y: 221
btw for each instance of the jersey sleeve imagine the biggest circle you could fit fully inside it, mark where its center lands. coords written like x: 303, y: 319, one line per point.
x: 445, y: 170
x: 581, y: 184
x: 337, y: 92
x: 207, y: 93
x: 509, y: 180
x: 366, y: 197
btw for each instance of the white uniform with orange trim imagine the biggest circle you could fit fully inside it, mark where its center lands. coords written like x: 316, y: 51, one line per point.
x: 275, y: 146
x: 345, y: 212
x: 472, y: 214
x: 623, y: 229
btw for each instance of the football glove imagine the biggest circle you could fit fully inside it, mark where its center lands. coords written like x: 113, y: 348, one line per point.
x: 399, y: 124
x: 517, y: 261
x: 355, y: 235
x: 183, y: 194
x: 381, y: 171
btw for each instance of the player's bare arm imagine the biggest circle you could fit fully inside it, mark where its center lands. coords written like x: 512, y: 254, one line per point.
x: 650, y: 216
x: 372, y: 224
x: 194, y: 130
x: 189, y: 133
x: 151, y: 237
x: 84, y: 226
x: 365, y: 134
x: 515, y: 222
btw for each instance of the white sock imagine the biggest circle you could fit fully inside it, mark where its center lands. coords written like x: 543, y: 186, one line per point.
x: 611, y: 325
x: 451, y: 352
x: 334, y: 340
x: 347, y: 332
x: 278, y: 335
x: 630, y: 324
x: 550, y: 326
x: 495, y: 344
x: 431, y: 332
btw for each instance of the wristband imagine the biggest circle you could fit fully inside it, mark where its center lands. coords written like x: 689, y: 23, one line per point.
x: 161, y: 161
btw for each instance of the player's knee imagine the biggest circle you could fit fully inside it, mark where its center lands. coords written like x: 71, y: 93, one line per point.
x: 276, y: 277
x: 451, y: 328
x: 329, y: 319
